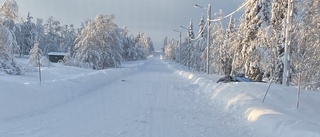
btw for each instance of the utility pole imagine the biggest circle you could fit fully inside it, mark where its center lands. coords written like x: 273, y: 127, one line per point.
x: 208, y: 25
x: 189, y: 54
x: 287, y: 48
x: 208, y: 38
x: 208, y: 35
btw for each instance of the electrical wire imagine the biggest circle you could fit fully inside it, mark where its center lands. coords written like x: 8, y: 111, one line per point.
x: 219, y: 19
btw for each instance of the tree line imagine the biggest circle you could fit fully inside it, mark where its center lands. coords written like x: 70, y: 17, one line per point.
x: 253, y: 44
x: 97, y: 44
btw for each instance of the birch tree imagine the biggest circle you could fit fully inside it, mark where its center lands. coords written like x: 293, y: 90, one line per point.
x: 98, y: 46
x: 8, y: 65
x: 306, y: 53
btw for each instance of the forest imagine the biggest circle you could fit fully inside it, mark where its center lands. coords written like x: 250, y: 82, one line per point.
x: 254, y: 44
x: 98, y: 43
x: 273, y: 40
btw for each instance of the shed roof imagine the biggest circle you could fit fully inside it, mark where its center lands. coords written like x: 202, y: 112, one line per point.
x: 57, y: 53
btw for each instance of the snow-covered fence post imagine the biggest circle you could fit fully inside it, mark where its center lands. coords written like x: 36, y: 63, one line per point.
x: 299, y: 91
x: 39, y: 64
x: 265, y: 95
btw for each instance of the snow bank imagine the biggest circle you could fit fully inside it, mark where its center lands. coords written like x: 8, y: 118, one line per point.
x: 277, y: 116
x: 23, y: 95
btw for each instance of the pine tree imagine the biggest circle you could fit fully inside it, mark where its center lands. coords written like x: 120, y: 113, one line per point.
x: 190, y: 43
x: 35, y: 55
x: 256, y: 16
x: 279, y: 10
x: 231, y: 34
x: 52, y: 30
x: 202, y: 27
x: 37, y: 58
x: 198, y: 47
x: 39, y: 34
x: 67, y: 36
x: 218, y: 51
x: 165, y: 43
x: 27, y: 35
x: 190, y: 30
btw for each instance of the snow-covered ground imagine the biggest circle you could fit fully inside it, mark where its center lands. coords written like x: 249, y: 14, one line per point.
x: 278, y: 116
x: 151, y: 98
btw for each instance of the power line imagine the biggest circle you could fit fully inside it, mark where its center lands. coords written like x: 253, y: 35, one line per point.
x: 219, y: 19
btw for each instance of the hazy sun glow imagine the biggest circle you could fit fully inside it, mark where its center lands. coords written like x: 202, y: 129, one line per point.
x: 253, y: 114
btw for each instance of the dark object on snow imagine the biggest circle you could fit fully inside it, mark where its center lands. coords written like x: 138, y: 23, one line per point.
x: 238, y: 78
x: 56, y: 56
x: 125, y: 80
x: 226, y: 79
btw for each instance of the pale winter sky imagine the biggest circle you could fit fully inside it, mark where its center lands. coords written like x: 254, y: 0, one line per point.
x: 157, y: 18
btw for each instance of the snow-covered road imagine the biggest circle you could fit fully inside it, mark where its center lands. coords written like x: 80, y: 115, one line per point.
x: 150, y: 102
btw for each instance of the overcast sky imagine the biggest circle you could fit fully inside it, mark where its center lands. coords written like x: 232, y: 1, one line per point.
x: 156, y: 18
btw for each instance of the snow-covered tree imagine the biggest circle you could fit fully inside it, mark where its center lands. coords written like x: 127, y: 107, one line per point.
x: 145, y: 42
x: 229, y: 49
x: 171, y: 49
x: 39, y: 34
x: 138, y: 46
x: 256, y: 16
x: 218, y: 56
x: 68, y: 35
x: 165, y: 42
x: 36, y: 57
x: 278, y: 21
x: 9, y: 23
x: 202, y: 27
x: 52, y: 38
x: 198, y: 46
x: 190, y: 30
x: 132, y: 47
x: 27, y: 36
x: 7, y: 61
x: 8, y: 11
x: 99, y: 44
x: 184, y: 52
x: 187, y: 45
x: 306, y: 52
x: 197, y: 57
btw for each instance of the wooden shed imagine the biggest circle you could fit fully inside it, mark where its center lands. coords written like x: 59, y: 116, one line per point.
x: 56, y: 56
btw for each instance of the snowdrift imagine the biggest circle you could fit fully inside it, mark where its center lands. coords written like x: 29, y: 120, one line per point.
x: 23, y: 95
x: 276, y: 117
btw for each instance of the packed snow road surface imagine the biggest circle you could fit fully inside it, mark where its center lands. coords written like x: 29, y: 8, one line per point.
x: 150, y: 101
